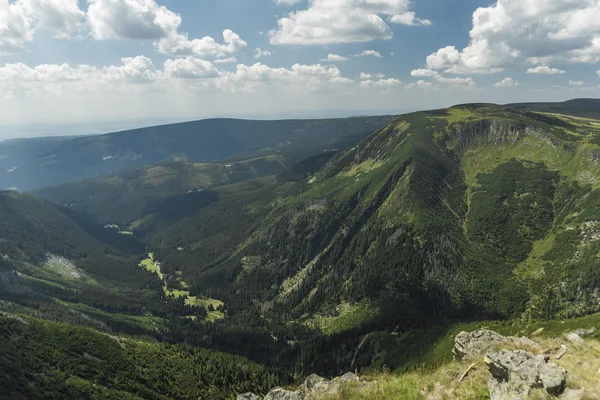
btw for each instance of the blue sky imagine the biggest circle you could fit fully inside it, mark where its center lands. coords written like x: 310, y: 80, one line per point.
x: 89, y: 64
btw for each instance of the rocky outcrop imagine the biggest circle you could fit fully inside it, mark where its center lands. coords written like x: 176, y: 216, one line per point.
x: 477, y: 343
x: 516, y: 373
x: 312, y: 387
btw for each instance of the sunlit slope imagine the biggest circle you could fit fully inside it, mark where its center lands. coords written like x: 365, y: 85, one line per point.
x: 473, y: 211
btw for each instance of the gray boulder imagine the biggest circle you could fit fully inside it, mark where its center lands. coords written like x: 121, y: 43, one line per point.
x: 248, y: 396
x: 282, y: 394
x: 516, y: 373
x: 576, y: 339
x: 584, y: 332
x: 468, y: 344
x: 316, y: 383
x: 573, y: 394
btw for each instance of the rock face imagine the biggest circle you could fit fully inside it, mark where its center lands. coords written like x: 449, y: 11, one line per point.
x: 516, y: 373
x: 312, y: 387
x: 469, y: 344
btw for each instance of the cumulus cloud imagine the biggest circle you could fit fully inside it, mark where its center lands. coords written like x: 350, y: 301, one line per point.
x: 179, y: 44
x: 420, y: 84
x: 343, y: 21
x: 189, y: 68
x: 545, y: 70
x: 258, y: 53
x: 62, y: 17
x: 131, y: 19
x: 15, y: 27
x: 189, y: 73
x: 598, y: 72
x: 365, y: 76
x: 381, y: 83
x: 576, y: 83
x: 512, y: 32
x: 507, y: 83
x: 368, y: 53
x: 287, y: 2
x: 454, y: 81
x: 228, y: 60
x: 334, y: 58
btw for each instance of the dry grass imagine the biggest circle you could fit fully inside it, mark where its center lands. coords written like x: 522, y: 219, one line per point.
x: 582, y: 364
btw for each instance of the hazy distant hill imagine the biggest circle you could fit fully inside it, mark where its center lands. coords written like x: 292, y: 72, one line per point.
x: 29, y: 164
x: 586, y: 108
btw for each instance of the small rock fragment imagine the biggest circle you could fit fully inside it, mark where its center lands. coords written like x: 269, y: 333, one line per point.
x: 538, y: 332
x: 282, y: 394
x: 561, y: 352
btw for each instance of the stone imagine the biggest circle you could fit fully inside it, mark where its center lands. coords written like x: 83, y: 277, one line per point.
x: 538, y: 332
x: 561, y: 352
x: 573, y: 394
x: 248, y: 396
x: 576, y: 339
x: 282, y: 394
x: 529, y: 343
x: 315, y: 382
x: 348, y: 377
x: 584, y: 332
x: 468, y: 344
x: 515, y: 373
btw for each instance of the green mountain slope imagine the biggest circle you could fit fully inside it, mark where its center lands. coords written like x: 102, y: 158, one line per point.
x: 130, y: 195
x: 31, y: 164
x: 475, y: 211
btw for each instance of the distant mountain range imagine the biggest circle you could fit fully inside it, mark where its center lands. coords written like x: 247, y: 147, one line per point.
x: 27, y: 164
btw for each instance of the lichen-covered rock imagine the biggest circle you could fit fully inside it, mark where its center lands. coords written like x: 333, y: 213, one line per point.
x: 248, y: 396
x: 584, y: 332
x: 315, y: 382
x: 515, y: 373
x: 576, y: 339
x: 282, y: 394
x: 468, y: 344
x: 573, y: 394
x: 346, y: 378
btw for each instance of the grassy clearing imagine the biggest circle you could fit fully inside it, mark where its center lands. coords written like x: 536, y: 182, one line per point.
x: 349, y: 316
x: 151, y: 266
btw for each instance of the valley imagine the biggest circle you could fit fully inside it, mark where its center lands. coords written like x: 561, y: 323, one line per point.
x: 368, y: 258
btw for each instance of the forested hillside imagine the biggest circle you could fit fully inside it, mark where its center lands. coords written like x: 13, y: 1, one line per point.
x: 28, y: 164
x: 359, y: 259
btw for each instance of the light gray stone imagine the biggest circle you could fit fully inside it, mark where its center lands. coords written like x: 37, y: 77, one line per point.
x: 282, y: 394
x: 576, y: 339
x: 573, y: 394
x: 248, y: 396
x: 584, y: 332
x: 468, y: 344
x: 515, y: 373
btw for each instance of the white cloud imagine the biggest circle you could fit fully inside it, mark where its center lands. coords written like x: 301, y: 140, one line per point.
x: 334, y: 58
x: 15, y: 27
x: 507, y: 83
x: 576, y: 83
x: 598, y: 72
x: 62, y: 17
x: 455, y: 81
x: 258, y: 53
x: 420, y: 84
x: 287, y: 2
x: 409, y: 18
x: 512, y: 32
x: 424, y: 73
x: 365, y: 76
x: 380, y: 76
x: 189, y: 68
x: 367, y: 53
x: 381, y: 83
x: 131, y: 19
x: 343, y: 21
x: 545, y: 70
x: 228, y: 60
x: 179, y: 44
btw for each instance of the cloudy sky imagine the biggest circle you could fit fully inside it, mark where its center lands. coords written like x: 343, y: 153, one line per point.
x: 96, y: 62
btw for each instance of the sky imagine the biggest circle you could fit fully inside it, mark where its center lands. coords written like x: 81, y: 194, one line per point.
x: 69, y: 66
